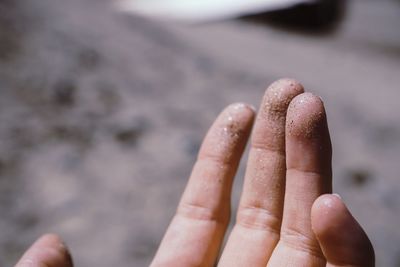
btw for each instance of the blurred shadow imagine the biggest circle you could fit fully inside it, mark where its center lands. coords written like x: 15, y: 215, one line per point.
x: 320, y: 18
x: 9, y: 34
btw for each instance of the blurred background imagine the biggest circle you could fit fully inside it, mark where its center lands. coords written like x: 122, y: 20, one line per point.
x: 102, y: 113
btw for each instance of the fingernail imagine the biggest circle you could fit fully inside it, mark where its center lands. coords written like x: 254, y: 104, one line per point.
x: 240, y: 106
x: 337, y: 195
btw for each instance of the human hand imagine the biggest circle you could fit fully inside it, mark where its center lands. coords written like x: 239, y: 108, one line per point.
x: 287, y: 215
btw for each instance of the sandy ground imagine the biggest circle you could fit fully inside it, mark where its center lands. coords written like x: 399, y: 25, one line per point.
x: 101, y: 116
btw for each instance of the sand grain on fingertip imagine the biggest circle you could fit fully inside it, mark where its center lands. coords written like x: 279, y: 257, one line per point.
x: 278, y: 96
x: 306, y: 116
x: 230, y: 129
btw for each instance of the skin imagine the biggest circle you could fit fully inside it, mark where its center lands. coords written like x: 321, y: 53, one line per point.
x: 287, y: 214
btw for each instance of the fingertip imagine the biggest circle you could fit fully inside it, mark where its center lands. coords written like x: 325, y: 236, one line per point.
x: 233, y: 124
x: 306, y: 116
x: 49, y: 250
x: 228, y: 135
x: 284, y: 87
x: 279, y: 94
x: 269, y: 128
x: 326, y: 209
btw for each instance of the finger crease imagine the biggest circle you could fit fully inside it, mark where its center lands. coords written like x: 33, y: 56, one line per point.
x: 199, y: 213
x: 218, y: 159
x: 299, y: 241
x: 267, y: 148
x: 259, y: 218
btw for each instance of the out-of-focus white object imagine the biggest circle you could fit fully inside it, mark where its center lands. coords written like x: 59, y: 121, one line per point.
x: 203, y: 10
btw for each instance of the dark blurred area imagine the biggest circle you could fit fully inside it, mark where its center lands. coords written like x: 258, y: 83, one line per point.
x: 321, y: 17
x: 102, y: 114
x: 9, y: 33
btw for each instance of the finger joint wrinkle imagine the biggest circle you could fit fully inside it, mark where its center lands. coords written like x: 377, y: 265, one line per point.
x: 268, y: 148
x: 200, y: 213
x: 299, y: 241
x: 258, y: 218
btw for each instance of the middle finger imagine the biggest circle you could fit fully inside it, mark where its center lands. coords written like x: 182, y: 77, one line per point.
x: 256, y: 232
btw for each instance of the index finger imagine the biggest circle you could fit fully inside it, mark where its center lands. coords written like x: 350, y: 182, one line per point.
x: 197, y: 230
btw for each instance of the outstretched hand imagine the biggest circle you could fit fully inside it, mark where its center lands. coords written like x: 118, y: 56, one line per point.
x: 287, y: 214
